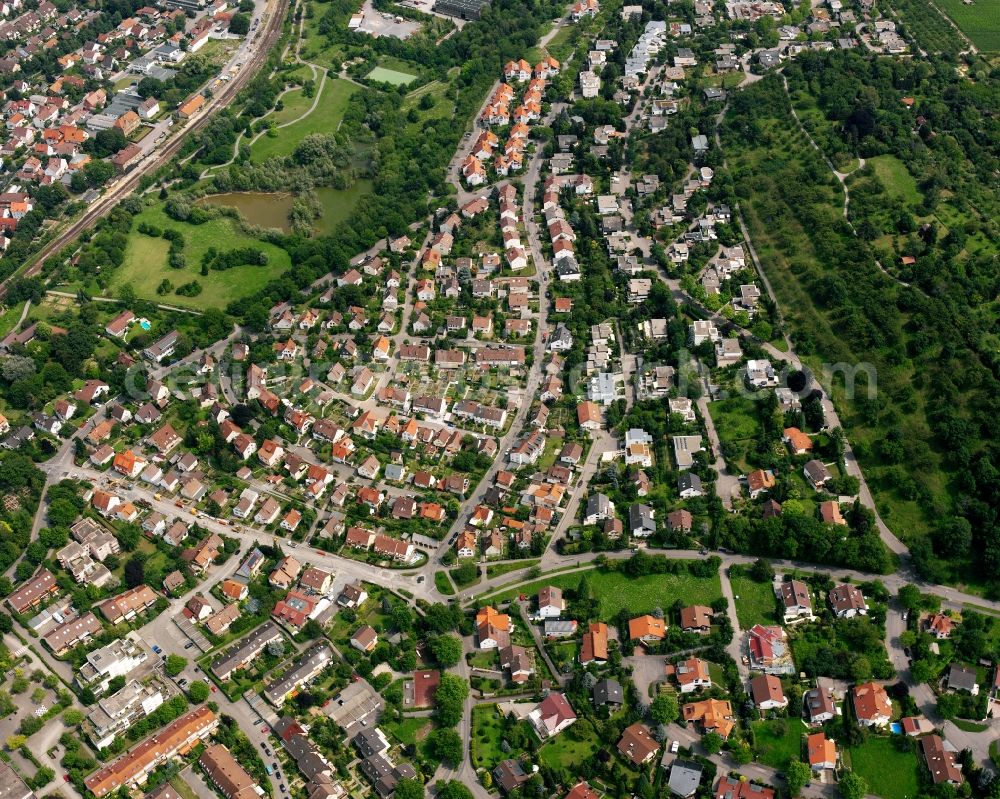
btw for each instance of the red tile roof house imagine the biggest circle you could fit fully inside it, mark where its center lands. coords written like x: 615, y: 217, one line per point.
x: 365, y: 639
x: 419, y: 692
x: 553, y: 715
x: 872, y: 707
x: 767, y: 692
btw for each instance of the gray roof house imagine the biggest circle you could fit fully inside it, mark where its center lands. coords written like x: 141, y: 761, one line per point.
x: 685, y: 777
x: 608, y: 692
x: 641, y: 521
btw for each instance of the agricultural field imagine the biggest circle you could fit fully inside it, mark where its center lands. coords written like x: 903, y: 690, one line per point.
x: 977, y: 20
x: 924, y: 22
x: 146, y: 264
x: 325, y: 118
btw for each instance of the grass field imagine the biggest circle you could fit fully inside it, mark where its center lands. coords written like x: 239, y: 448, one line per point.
x: 978, y: 21
x: 324, y: 119
x: 443, y: 584
x: 616, y: 591
x: 578, y: 744
x: 889, y: 773
x: 408, y: 729
x: 146, y: 262
x: 754, y: 602
x: 896, y: 178
x: 395, y: 77
x: 779, y: 741
x: 9, y: 316
x: 294, y: 105
x: 486, y: 737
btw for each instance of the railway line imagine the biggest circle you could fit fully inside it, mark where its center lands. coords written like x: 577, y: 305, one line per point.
x: 264, y: 39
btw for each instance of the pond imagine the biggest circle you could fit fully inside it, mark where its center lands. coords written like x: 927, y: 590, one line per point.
x: 263, y: 209
x: 270, y: 209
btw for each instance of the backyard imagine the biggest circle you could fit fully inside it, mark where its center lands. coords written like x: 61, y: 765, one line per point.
x: 487, y: 732
x: 779, y: 741
x: 755, y: 602
x: 889, y: 772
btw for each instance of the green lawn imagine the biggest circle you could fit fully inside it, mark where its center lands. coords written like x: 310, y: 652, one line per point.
x: 755, y: 602
x: 9, y: 314
x: 324, y: 119
x: 616, y: 591
x: 779, y: 741
x: 895, y: 177
x: 734, y: 419
x: 396, y: 78
x: 146, y: 262
x: 578, y: 744
x: 486, y: 737
x: 294, y: 105
x: 443, y: 584
x: 497, y: 569
x: 408, y: 729
x: 978, y: 21
x: 889, y: 773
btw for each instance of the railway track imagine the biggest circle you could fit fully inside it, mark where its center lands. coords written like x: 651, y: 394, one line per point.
x: 103, y: 205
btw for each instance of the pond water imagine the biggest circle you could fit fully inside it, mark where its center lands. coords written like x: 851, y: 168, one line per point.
x: 263, y: 209
x: 270, y: 209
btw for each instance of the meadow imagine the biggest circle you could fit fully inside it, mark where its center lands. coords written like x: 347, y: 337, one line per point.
x: 325, y: 118
x: 146, y: 264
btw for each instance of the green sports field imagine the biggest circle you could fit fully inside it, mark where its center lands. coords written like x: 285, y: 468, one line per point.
x: 396, y: 78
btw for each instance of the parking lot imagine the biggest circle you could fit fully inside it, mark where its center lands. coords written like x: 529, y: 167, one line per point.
x: 377, y: 23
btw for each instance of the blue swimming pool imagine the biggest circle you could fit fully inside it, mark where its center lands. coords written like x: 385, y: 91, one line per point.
x: 896, y: 728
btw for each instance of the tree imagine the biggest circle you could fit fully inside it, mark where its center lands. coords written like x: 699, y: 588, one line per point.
x: 664, y: 709
x: 450, y: 700
x: 409, y: 788
x: 16, y: 742
x: 175, y: 665
x: 741, y: 752
x: 453, y: 789
x: 909, y: 597
x: 72, y: 717
x: 240, y: 24
x: 446, y: 745
x: 853, y: 786
x: 712, y: 742
x: 135, y: 571
x: 198, y: 691
x: 797, y: 776
x: 446, y: 649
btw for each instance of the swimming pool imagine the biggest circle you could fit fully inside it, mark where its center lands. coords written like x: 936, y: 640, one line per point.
x: 145, y: 324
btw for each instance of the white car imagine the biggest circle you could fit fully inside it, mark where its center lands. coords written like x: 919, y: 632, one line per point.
x: 674, y: 747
